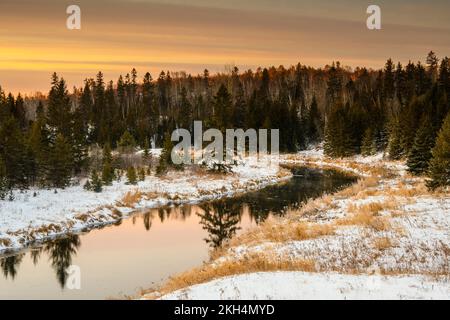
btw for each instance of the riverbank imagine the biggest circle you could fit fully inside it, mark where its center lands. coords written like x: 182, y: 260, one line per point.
x: 37, y: 215
x: 386, y: 236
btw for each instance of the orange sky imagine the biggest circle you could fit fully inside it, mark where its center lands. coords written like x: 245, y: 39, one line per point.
x: 175, y: 35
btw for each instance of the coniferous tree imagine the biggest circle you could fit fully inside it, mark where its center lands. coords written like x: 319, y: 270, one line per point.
x: 107, y: 166
x: 3, y: 180
x: 58, y: 110
x: 141, y: 174
x: 420, y: 154
x: 14, y: 152
x: 131, y: 176
x: 432, y: 65
x: 79, y: 141
x: 127, y: 141
x: 389, y: 80
x: 223, y: 109
x: 165, y: 159
x: 60, y: 163
x: 439, y: 167
x: 314, y: 124
x: 394, y: 145
x: 369, y: 146
x: 38, y: 142
x: 186, y: 114
x: 94, y: 183
x: 239, y: 108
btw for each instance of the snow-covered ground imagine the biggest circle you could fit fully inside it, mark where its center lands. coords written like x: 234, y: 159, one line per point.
x: 311, y: 286
x: 39, y: 214
x: 385, y: 237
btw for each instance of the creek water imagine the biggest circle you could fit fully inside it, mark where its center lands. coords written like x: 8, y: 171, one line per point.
x: 147, y: 248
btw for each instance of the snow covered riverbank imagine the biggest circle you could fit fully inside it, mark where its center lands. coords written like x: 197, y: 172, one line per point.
x: 386, y: 229
x: 312, y: 286
x: 38, y: 214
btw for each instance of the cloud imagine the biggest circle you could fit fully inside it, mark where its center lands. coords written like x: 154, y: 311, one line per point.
x: 118, y: 35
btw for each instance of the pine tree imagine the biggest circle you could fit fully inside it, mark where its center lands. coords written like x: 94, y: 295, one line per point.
x: 14, y: 153
x: 165, y: 159
x: 58, y: 111
x: 223, y: 109
x: 38, y: 142
x: 314, y: 122
x: 146, y: 151
x: 3, y: 180
x: 127, y: 142
x: 131, y: 176
x: 432, y: 65
x: 394, y: 146
x: 420, y: 155
x: 439, y: 168
x: 340, y: 138
x: 389, y: 80
x: 95, y: 183
x: 79, y: 141
x: 60, y: 163
x: 369, y: 146
x: 141, y: 174
x: 239, y: 108
x: 186, y: 114
x: 107, y: 167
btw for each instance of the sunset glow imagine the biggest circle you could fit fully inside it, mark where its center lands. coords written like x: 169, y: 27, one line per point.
x: 173, y: 35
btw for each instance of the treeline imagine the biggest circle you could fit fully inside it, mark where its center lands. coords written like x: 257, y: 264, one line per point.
x: 45, y: 140
x: 401, y: 111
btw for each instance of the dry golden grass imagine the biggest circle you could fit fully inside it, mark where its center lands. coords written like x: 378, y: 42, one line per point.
x: 367, y: 215
x: 5, y: 242
x: 281, y: 232
x: 248, y: 264
x: 361, y: 186
x: 410, y: 189
x: 131, y: 198
x: 382, y: 243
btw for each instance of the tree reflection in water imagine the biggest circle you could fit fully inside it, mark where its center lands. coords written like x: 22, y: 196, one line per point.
x: 10, y: 265
x: 61, y: 252
x: 220, y: 218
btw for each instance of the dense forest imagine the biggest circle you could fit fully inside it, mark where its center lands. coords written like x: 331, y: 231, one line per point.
x: 45, y: 140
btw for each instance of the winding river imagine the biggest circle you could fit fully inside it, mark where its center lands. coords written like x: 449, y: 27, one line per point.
x: 141, y: 251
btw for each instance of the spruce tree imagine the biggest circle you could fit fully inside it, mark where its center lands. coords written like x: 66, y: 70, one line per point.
x: 127, y: 142
x: 239, y: 108
x: 369, y: 146
x: 3, y: 180
x: 394, y: 146
x: 94, y: 183
x: 186, y: 114
x: 314, y: 122
x: 439, y: 168
x: 131, y: 176
x: 58, y: 111
x: 223, y: 109
x: 141, y: 174
x: 14, y: 152
x: 107, y: 167
x: 165, y: 159
x: 60, y: 163
x: 420, y: 154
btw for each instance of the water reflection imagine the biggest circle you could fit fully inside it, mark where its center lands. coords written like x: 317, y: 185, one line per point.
x: 61, y: 252
x: 10, y: 265
x: 220, y: 219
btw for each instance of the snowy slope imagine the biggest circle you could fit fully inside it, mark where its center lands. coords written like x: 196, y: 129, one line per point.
x: 308, y: 286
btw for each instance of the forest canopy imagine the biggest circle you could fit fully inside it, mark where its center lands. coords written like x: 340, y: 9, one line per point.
x: 399, y: 110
